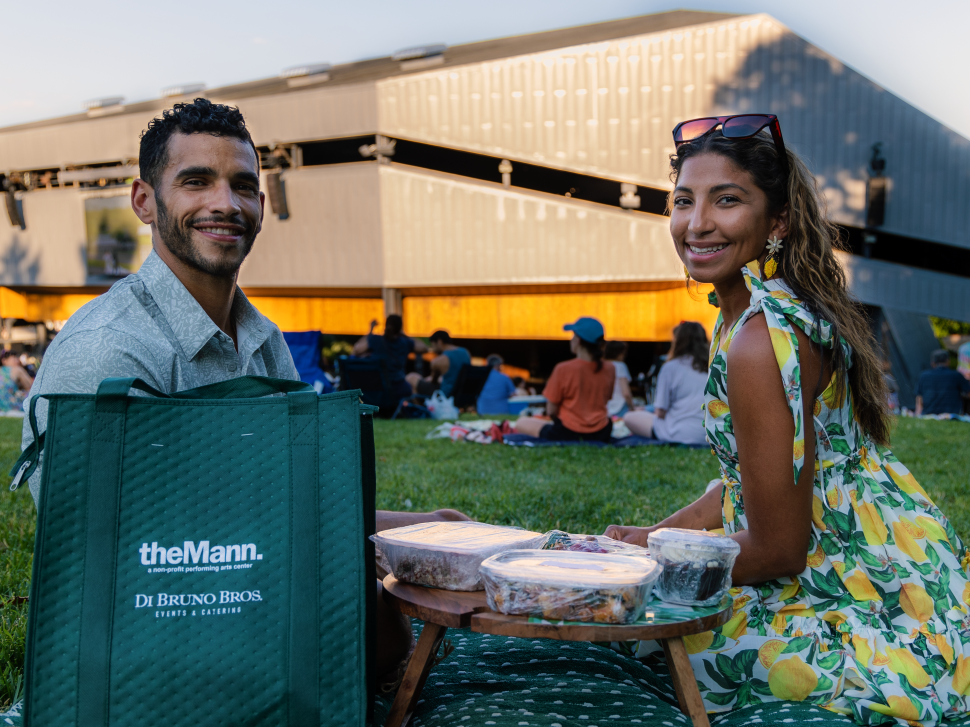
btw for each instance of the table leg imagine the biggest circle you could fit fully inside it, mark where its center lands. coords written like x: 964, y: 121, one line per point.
x: 416, y: 675
x: 685, y: 685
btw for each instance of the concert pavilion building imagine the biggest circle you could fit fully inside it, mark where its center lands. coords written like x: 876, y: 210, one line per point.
x: 499, y: 189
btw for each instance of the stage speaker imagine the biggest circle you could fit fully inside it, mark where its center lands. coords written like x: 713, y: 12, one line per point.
x: 276, y: 188
x: 15, y: 210
x: 876, y: 201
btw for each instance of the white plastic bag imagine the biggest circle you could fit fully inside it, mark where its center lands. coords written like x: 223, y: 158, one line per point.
x: 442, y: 407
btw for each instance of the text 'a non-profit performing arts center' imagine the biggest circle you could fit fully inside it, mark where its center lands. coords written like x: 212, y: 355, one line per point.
x: 499, y: 189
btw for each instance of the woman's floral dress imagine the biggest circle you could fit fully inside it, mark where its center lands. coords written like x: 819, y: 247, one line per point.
x: 877, y: 626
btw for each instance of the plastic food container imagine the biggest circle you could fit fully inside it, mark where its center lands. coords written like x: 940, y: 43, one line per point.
x: 562, y: 541
x: 446, y: 555
x: 569, y: 585
x: 696, y: 565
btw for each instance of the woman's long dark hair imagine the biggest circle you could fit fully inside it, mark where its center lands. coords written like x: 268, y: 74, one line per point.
x: 690, y: 339
x: 595, y: 350
x: 809, y: 265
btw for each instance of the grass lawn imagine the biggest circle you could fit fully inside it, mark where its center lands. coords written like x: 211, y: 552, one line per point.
x: 576, y: 489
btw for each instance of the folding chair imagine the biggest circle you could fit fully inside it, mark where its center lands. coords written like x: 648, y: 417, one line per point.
x: 367, y: 374
x: 469, y: 384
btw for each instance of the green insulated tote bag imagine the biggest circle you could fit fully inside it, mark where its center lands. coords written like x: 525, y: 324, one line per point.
x: 202, y: 558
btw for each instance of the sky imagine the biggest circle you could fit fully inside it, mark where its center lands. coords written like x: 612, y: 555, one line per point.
x: 58, y: 53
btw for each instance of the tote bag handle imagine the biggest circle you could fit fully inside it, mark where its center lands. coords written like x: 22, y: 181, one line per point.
x: 244, y: 387
x: 113, y: 393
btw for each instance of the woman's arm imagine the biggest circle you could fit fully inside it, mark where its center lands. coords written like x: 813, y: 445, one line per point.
x: 21, y: 378
x: 361, y: 347
x: 702, y: 514
x: 624, y: 384
x: 779, y: 511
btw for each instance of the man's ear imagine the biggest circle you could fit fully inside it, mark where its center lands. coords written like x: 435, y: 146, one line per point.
x: 143, y: 201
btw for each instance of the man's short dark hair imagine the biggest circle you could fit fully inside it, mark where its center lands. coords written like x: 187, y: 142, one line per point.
x: 440, y: 336
x: 940, y: 357
x: 199, y: 117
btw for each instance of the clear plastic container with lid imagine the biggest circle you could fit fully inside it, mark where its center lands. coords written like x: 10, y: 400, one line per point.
x: 569, y: 585
x: 446, y: 554
x: 696, y: 565
x: 560, y: 540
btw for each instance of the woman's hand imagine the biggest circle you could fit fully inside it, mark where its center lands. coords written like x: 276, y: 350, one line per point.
x: 630, y: 534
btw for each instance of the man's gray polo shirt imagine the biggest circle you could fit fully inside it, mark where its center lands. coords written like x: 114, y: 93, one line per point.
x: 148, y: 325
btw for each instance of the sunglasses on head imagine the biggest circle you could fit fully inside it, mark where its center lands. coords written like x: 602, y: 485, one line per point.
x: 741, y: 126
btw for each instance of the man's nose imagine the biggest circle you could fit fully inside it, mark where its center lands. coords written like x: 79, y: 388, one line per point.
x: 224, y: 199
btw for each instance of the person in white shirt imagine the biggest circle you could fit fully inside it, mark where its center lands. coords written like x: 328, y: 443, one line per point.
x: 678, y: 414
x: 622, y: 400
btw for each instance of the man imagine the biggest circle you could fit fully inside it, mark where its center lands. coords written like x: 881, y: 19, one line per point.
x: 444, y: 366
x: 181, y: 321
x: 394, y: 348
x: 941, y: 389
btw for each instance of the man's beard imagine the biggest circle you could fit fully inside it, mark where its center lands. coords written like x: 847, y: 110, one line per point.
x: 178, y: 239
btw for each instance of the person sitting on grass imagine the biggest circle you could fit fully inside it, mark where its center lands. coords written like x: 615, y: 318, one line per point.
x: 394, y: 348
x: 15, y: 382
x: 851, y: 590
x: 577, y: 392
x: 494, y: 399
x: 622, y: 401
x: 941, y: 390
x: 181, y: 321
x: 445, y: 366
x: 678, y: 414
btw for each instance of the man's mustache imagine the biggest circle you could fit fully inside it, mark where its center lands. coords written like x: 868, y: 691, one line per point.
x: 218, y: 219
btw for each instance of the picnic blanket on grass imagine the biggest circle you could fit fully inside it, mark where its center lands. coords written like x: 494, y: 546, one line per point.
x: 524, y: 440
x: 506, y: 682
x: 488, y: 431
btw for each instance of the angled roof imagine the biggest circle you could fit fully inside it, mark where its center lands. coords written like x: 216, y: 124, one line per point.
x: 486, y: 50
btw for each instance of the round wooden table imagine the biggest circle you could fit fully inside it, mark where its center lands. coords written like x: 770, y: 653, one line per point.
x: 442, y: 610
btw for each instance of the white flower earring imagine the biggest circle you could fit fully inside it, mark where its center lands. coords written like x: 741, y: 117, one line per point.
x: 774, y: 253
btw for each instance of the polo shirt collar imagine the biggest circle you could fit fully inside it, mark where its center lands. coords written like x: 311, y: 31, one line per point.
x: 189, y: 322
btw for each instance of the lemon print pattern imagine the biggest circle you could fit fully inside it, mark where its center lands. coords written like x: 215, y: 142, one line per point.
x: 877, y: 627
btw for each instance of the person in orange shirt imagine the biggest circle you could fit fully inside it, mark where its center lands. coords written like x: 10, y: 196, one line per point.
x: 578, y: 391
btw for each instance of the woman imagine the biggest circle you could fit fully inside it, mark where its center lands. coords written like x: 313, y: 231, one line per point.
x: 851, y: 590
x: 15, y: 382
x: 678, y: 414
x: 622, y: 400
x: 577, y: 391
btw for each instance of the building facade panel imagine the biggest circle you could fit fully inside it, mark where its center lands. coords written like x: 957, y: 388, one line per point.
x: 90, y: 141
x: 444, y: 230
x: 319, y: 113
x: 608, y: 108
x: 633, y: 316
x: 907, y: 289
x: 332, y: 237
x: 52, y: 250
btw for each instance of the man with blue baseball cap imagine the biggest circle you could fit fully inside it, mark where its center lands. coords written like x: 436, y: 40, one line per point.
x: 578, y: 391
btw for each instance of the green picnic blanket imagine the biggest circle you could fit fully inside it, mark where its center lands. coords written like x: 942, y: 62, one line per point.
x: 508, y: 682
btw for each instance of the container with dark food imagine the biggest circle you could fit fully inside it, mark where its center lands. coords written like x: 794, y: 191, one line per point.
x: 696, y: 565
x: 446, y: 555
x: 559, y: 540
x: 569, y: 585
